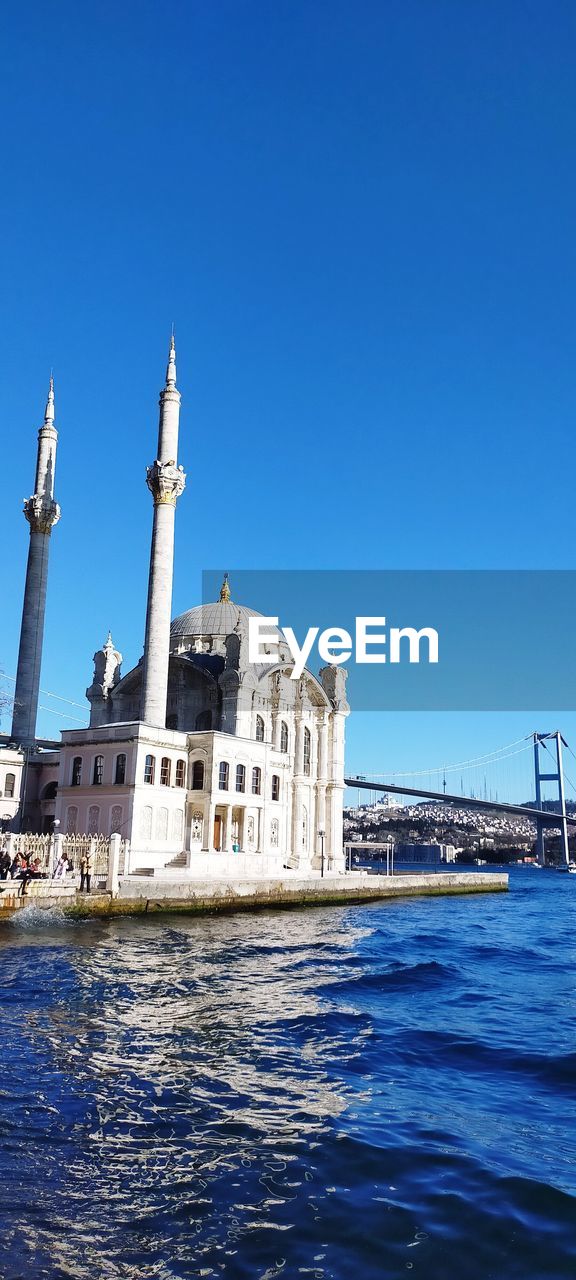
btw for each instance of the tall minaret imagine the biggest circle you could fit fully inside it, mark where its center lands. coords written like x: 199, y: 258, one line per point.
x: 42, y: 513
x: 166, y: 482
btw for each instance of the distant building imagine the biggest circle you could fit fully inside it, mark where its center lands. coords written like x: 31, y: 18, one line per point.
x: 425, y: 853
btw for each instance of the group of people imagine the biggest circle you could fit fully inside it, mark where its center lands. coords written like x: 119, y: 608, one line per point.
x: 25, y: 867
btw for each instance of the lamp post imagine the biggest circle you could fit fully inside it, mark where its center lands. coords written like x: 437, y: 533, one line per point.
x: 321, y: 833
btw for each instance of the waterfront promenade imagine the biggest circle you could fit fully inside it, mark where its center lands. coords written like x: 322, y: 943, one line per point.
x: 137, y: 895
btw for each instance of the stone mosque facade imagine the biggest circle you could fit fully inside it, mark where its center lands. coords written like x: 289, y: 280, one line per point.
x: 202, y: 760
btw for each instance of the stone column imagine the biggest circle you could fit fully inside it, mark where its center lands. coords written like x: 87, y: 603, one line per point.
x: 42, y: 513
x: 166, y: 482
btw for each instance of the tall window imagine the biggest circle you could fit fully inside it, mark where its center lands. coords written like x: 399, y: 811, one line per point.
x: 120, y: 774
x: 223, y: 776
x: 98, y: 774
x: 93, y: 819
x: 165, y: 771
x: 240, y: 777
x: 149, y: 769
x: 76, y: 771
x: 180, y: 773
x: 256, y: 780
x: 275, y: 786
x: 259, y: 729
x: 71, y: 819
x: 198, y: 775
x: 9, y: 785
x: 283, y: 736
x: 204, y: 720
x: 306, y: 751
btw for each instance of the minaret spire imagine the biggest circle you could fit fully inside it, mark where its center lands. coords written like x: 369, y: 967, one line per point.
x: 171, y: 370
x: 166, y: 482
x: 42, y: 513
x: 49, y: 413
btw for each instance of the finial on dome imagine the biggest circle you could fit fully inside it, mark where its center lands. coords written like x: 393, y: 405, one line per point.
x: 49, y: 414
x: 109, y: 642
x: 225, y: 589
x: 171, y: 370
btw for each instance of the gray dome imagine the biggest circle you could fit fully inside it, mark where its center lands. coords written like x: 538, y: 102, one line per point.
x: 218, y: 619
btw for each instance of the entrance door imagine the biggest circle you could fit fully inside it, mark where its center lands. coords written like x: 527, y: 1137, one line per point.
x: 218, y: 832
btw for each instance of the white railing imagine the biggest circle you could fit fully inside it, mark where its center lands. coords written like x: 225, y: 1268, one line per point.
x: 50, y: 848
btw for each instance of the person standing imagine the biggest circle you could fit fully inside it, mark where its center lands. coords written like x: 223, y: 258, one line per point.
x: 86, y: 868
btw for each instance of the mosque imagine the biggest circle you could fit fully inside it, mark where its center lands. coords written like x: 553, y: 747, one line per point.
x: 200, y: 759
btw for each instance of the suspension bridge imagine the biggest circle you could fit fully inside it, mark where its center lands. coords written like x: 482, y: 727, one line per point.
x: 546, y: 764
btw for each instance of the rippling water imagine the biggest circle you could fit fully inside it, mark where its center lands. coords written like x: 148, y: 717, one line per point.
x: 349, y: 1092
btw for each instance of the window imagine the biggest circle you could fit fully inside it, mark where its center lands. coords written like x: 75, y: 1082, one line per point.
x: 283, y: 736
x: 9, y: 785
x: 71, y: 820
x: 116, y: 819
x: 120, y: 772
x: 259, y: 729
x: 76, y: 771
x: 146, y: 822
x: 275, y: 786
x: 240, y: 777
x: 223, y: 776
x: 149, y: 770
x: 93, y: 819
x: 98, y: 771
x: 198, y: 775
x: 306, y: 751
x: 172, y: 721
x: 180, y: 773
x: 204, y: 720
x: 177, y: 824
x: 162, y: 824
x: 165, y: 770
x: 256, y: 780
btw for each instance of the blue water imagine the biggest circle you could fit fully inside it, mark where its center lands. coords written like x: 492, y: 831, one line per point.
x: 358, y: 1092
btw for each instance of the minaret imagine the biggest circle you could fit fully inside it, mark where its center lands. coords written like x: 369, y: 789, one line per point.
x: 42, y: 513
x: 166, y: 482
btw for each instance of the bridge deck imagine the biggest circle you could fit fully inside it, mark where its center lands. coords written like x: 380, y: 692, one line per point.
x: 464, y: 802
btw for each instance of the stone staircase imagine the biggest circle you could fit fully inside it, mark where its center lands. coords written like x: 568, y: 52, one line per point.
x: 177, y: 866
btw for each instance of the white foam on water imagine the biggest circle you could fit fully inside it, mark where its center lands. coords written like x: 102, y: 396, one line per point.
x: 34, y: 916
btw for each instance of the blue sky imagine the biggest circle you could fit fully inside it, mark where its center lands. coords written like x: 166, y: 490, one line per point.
x: 360, y: 217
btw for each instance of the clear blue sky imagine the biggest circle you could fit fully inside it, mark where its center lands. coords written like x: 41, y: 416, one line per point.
x: 360, y: 217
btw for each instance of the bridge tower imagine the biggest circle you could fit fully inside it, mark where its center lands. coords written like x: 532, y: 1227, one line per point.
x: 540, y: 740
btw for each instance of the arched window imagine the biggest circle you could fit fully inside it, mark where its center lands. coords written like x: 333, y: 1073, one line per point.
x: 50, y: 791
x: 116, y: 819
x: 275, y: 786
x: 283, y: 736
x: 172, y: 721
x: 162, y: 824
x: 198, y: 775
x: 120, y: 772
x: 223, y: 775
x: 76, y: 778
x: 165, y: 771
x: 71, y: 819
x: 180, y: 773
x: 256, y: 780
x: 146, y: 822
x: 204, y: 721
x: 9, y: 786
x: 149, y: 769
x: 98, y: 774
x: 240, y: 777
x: 93, y: 819
x: 259, y: 729
x: 306, y: 751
